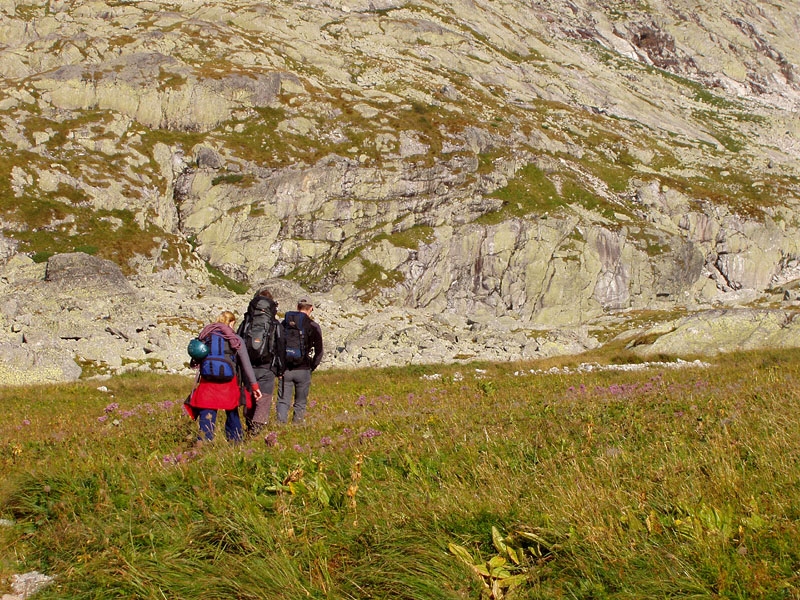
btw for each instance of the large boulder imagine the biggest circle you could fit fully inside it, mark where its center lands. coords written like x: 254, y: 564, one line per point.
x: 713, y: 332
x: 78, y: 270
x: 21, y: 364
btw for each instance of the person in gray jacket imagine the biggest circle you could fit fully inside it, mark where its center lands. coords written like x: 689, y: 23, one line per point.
x: 304, y: 351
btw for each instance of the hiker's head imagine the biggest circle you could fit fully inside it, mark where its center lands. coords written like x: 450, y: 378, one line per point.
x: 305, y: 306
x: 226, y: 317
x: 266, y: 293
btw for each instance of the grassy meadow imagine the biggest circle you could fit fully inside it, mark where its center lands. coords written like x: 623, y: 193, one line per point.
x: 535, y: 480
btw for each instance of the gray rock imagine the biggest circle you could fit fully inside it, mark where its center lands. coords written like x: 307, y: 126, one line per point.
x: 27, y: 584
x: 80, y: 270
x: 709, y: 333
x: 208, y: 158
x: 22, y: 365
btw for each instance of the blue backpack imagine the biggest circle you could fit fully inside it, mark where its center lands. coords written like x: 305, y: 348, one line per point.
x: 219, y: 365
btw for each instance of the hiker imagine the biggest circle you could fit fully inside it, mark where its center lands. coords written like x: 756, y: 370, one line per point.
x: 263, y: 338
x: 303, y: 354
x: 218, y: 387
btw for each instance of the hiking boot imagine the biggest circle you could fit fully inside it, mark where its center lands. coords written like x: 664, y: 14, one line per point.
x: 255, y: 428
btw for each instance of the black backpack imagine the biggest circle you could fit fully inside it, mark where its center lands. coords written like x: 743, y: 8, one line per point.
x: 295, y: 330
x: 219, y: 366
x: 262, y: 334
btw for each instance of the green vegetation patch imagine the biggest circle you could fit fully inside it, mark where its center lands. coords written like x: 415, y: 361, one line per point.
x: 257, y: 139
x: 634, y: 320
x: 410, y: 238
x: 170, y: 81
x: 29, y: 12
x: 735, y: 188
x: 374, y: 278
x: 218, y: 278
x: 113, y: 235
x: 530, y: 191
x: 533, y: 192
x: 653, y: 483
x: 233, y: 179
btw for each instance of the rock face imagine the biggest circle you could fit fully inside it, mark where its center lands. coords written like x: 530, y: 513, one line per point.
x: 51, y: 335
x: 504, y: 179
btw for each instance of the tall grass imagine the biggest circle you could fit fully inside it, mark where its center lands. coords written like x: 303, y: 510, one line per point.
x: 420, y: 483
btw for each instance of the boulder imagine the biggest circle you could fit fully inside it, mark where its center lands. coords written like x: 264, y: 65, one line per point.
x: 712, y: 332
x: 78, y: 270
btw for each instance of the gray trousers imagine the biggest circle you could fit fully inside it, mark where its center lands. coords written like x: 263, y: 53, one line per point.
x: 258, y: 415
x: 295, y: 383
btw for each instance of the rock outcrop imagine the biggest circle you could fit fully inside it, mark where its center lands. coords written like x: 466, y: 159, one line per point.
x: 503, y: 178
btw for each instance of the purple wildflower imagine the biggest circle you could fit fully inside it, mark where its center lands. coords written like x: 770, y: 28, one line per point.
x: 325, y: 441
x: 102, y: 419
x: 271, y: 439
x: 111, y: 407
x: 369, y: 434
x: 179, y: 457
x: 362, y: 400
x: 26, y: 422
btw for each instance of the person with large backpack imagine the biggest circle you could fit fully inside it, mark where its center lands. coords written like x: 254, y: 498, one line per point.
x: 224, y: 361
x: 263, y: 338
x: 303, y: 354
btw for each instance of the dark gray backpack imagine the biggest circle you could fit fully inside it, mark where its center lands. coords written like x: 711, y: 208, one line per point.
x: 262, y: 334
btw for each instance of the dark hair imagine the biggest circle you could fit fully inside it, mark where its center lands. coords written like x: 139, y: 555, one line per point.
x: 304, y: 304
x: 266, y: 293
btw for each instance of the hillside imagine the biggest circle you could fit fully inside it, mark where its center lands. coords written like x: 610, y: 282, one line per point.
x: 508, y: 179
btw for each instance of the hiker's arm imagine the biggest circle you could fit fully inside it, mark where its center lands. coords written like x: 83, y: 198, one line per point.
x: 247, y: 370
x: 280, y: 355
x: 317, y: 345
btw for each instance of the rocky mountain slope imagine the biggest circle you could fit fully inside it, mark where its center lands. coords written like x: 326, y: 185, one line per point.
x: 493, y: 179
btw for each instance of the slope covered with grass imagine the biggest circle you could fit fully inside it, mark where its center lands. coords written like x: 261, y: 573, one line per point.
x: 539, y: 480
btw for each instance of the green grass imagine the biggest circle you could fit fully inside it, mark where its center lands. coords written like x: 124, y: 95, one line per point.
x: 374, y: 278
x: 529, y: 191
x: 219, y: 278
x: 640, y: 484
x: 410, y: 238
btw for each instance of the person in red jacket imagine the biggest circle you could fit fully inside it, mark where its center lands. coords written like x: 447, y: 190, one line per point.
x: 209, y: 396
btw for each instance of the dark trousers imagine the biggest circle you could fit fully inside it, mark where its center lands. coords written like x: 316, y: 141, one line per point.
x: 207, y: 418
